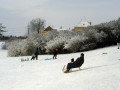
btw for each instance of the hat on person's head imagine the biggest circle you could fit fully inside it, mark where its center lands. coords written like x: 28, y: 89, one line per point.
x: 72, y: 59
x: 82, y: 54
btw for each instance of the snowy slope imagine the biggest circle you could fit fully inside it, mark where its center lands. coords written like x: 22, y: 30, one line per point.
x: 99, y: 72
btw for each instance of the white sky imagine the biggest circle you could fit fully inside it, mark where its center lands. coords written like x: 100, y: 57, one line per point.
x: 16, y: 14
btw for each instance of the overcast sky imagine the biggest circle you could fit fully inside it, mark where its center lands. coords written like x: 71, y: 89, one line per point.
x: 16, y: 14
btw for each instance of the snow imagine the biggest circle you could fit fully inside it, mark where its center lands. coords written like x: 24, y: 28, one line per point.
x: 83, y: 24
x: 61, y: 28
x: 101, y: 71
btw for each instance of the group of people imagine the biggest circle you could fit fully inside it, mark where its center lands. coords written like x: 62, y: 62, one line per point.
x: 35, y: 54
x: 73, y: 64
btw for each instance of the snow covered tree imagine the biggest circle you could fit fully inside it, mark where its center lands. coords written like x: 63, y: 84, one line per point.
x: 21, y: 48
x: 14, y: 48
x: 57, y: 43
x: 27, y: 48
x: 118, y: 22
x: 74, y: 44
x: 50, y: 35
x: 62, y: 37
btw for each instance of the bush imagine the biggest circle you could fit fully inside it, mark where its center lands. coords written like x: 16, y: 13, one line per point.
x: 57, y: 43
x: 27, y: 47
x: 74, y: 44
x: 14, y: 48
x: 87, y: 47
x: 21, y: 47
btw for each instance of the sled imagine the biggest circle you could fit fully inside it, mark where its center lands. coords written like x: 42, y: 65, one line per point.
x: 48, y: 59
x: 63, y: 69
x: 22, y: 59
x: 104, y: 53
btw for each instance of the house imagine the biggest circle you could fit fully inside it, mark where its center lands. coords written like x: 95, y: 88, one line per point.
x: 47, y: 29
x: 82, y: 25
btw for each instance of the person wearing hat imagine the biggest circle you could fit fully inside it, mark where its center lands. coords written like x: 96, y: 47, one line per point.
x: 55, y: 53
x: 72, y: 60
x: 78, y: 63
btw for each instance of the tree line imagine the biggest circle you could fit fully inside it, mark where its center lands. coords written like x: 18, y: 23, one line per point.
x: 66, y: 41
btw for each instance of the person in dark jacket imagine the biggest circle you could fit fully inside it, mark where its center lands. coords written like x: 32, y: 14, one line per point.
x: 118, y: 41
x: 36, y: 53
x: 78, y: 63
x: 55, y: 53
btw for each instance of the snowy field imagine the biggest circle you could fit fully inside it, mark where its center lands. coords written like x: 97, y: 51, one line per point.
x: 101, y: 71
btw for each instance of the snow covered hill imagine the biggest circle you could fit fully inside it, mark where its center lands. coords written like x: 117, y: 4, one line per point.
x: 101, y: 71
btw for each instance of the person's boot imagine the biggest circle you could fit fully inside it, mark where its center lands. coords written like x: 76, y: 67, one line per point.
x: 67, y: 71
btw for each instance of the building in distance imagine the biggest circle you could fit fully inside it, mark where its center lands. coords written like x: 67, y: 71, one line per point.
x: 82, y: 25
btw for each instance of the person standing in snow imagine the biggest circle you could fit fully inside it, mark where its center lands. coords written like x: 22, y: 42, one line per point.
x: 36, y: 53
x: 55, y: 53
x: 118, y: 41
x: 78, y: 63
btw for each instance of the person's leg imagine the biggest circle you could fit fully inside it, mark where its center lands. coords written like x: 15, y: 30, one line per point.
x: 69, y: 66
x: 36, y: 57
x: 118, y: 45
x: 32, y: 58
x: 55, y: 56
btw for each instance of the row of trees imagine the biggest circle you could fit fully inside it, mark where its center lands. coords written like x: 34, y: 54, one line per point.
x: 66, y: 41
x: 36, y: 25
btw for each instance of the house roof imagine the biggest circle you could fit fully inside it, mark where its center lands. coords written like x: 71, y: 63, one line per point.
x: 83, y: 24
x: 60, y: 28
x: 48, y: 28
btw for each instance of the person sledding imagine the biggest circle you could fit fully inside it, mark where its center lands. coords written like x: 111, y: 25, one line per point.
x: 72, y: 60
x: 36, y: 53
x: 55, y: 54
x: 74, y: 64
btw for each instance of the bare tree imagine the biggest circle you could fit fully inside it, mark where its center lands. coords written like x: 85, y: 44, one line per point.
x: 37, y: 24
x: 1, y: 29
